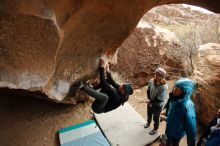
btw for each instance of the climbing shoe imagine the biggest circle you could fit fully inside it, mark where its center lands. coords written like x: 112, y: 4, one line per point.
x: 80, y: 85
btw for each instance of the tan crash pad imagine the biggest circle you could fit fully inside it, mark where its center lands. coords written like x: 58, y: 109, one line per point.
x: 125, y: 127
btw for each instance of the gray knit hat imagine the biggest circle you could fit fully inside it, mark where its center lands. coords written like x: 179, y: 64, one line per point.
x: 161, y: 71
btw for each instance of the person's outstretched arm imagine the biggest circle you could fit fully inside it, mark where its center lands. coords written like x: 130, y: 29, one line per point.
x: 103, y: 83
x: 111, y: 81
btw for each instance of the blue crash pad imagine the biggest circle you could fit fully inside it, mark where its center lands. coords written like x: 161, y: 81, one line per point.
x: 83, y: 134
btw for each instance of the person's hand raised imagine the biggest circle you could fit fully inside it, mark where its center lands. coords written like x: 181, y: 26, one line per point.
x: 102, y: 63
x: 107, y: 67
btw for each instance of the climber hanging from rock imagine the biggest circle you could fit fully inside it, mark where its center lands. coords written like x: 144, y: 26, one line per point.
x: 111, y: 94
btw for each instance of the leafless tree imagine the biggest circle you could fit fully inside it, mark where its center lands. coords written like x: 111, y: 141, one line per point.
x: 209, y: 31
x: 189, y: 48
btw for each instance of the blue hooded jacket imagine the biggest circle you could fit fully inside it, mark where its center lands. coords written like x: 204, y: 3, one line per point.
x: 181, y: 117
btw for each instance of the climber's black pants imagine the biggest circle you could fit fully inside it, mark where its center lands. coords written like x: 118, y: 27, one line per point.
x: 100, y: 99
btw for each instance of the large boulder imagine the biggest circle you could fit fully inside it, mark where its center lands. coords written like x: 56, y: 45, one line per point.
x: 147, y: 48
x: 177, y: 14
x: 207, y: 75
x: 47, y: 46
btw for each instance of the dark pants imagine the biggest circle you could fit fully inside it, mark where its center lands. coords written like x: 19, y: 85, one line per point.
x: 155, y: 112
x: 173, y: 142
x: 100, y: 99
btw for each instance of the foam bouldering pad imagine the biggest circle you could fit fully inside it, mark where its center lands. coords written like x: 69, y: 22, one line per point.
x: 124, y: 126
x: 83, y: 134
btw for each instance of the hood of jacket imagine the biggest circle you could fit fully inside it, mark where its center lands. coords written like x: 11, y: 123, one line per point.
x: 187, y: 86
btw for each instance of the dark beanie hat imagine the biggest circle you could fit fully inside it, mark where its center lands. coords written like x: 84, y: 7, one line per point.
x: 128, y: 88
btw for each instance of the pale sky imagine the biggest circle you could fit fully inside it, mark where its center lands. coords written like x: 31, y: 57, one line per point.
x: 198, y: 9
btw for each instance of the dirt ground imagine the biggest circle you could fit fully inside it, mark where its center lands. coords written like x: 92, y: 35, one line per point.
x: 34, y: 122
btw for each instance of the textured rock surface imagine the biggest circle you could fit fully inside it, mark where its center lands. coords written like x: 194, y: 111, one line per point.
x: 147, y: 48
x: 207, y: 75
x: 48, y: 45
x: 176, y: 14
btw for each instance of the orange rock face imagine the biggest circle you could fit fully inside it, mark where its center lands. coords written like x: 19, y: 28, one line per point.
x: 48, y: 45
x: 207, y: 75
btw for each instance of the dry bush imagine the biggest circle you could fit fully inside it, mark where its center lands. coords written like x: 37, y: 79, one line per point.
x: 191, y: 36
